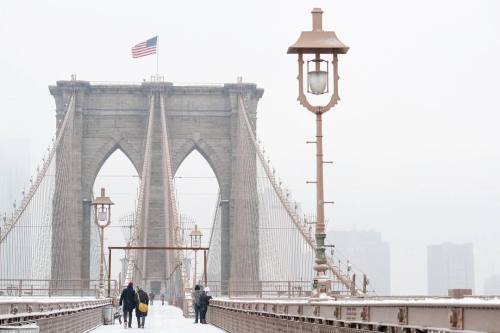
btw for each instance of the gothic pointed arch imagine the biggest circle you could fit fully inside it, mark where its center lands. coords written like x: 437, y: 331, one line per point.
x: 189, y: 145
x: 96, y: 160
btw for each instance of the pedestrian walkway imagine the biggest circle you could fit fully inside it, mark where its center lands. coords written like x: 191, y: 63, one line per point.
x: 162, y: 319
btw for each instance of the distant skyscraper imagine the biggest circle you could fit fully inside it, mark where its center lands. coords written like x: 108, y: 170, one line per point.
x: 366, y: 250
x: 492, y: 285
x: 449, y: 266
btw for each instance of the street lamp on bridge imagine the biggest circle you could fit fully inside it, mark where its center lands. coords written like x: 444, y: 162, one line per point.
x: 195, y: 236
x: 102, y: 218
x: 315, y: 44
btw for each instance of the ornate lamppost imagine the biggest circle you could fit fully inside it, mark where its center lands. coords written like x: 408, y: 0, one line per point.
x: 102, y: 218
x: 318, y: 43
x: 195, y: 236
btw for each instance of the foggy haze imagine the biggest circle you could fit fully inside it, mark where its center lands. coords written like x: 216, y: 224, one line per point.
x: 415, y: 139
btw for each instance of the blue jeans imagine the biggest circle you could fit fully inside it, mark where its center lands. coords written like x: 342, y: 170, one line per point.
x: 197, y: 312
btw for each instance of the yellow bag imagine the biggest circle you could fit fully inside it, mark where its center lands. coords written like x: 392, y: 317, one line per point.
x: 143, y: 307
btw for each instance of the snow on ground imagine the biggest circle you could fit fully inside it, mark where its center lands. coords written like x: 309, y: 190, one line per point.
x: 162, y: 319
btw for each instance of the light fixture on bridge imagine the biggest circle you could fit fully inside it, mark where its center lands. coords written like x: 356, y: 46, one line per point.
x: 102, y: 218
x: 315, y: 44
x: 318, y: 43
x: 102, y: 209
x: 317, y: 78
x: 195, y: 236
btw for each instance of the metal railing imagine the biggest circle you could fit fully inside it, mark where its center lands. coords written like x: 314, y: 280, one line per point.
x: 377, y: 314
x: 260, y: 289
x: 153, y: 79
x: 52, y: 288
x: 268, y: 289
x: 62, y: 314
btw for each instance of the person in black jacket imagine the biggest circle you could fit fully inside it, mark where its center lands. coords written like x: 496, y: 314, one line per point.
x: 141, y: 297
x: 127, y: 301
x: 204, y: 301
x: 195, y: 296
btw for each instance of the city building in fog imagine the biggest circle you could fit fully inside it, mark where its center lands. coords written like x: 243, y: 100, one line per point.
x: 492, y: 285
x: 366, y: 251
x: 449, y: 266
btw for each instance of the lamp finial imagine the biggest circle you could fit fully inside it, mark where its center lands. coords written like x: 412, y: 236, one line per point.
x: 317, y: 14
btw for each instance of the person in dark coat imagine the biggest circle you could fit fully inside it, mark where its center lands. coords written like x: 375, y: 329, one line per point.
x: 141, y: 297
x: 127, y: 302
x: 195, y: 297
x: 204, y: 301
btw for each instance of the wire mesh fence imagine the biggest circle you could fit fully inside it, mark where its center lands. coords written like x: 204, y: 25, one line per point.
x: 54, y: 288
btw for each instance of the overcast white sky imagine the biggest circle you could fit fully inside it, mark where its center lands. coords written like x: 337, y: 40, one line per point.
x: 415, y: 139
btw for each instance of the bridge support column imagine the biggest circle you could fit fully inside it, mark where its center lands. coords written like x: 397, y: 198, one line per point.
x: 225, y: 244
x: 86, y: 235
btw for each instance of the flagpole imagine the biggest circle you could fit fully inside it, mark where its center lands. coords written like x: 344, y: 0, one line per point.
x: 157, y: 57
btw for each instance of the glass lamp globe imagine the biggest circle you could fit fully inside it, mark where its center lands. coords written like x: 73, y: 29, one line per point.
x: 317, y: 81
x: 102, y: 215
x: 196, y: 242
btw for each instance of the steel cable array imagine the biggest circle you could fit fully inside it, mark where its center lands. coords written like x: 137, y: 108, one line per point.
x: 137, y: 234
x: 284, y: 243
x: 176, y: 275
x: 26, y: 239
x: 174, y: 260
x: 274, y: 240
x: 214, y: 252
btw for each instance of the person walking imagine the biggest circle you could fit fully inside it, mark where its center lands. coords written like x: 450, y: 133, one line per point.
x: 141, y: 310
x: 127, y: 302
x: 162, y: 298
x: 204, y: 301
x: 195, y: 296
x: 152, y: 297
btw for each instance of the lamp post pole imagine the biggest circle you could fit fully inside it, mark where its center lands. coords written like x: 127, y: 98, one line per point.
x: 101, y: 264
x: 205, y: 267
x: 316, y: 43
x: 195, y: 266
x: 195, y: 236
x: 320, y: 235
x: 102, y: 218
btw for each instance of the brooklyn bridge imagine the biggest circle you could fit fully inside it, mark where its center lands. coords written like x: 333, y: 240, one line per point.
x: 266, y: 264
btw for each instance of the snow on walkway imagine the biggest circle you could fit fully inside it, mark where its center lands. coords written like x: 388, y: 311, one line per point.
x: 162, y: 319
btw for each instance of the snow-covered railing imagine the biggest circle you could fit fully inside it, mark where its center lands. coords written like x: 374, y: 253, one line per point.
x: 359, y: 314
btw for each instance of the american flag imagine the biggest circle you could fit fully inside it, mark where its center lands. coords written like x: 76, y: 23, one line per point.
x: 145, y: 48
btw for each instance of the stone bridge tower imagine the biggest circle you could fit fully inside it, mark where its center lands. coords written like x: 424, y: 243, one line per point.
x: 110, y: 117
